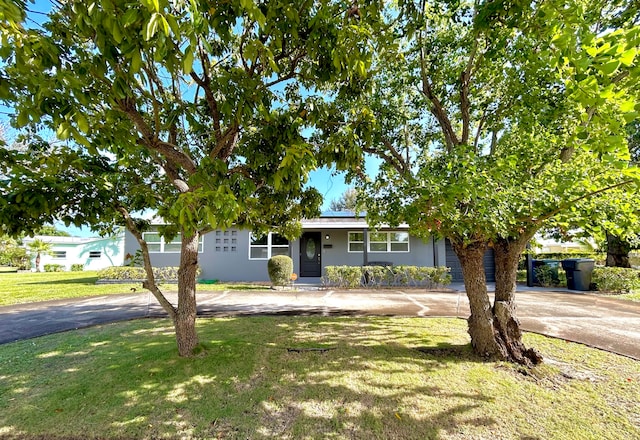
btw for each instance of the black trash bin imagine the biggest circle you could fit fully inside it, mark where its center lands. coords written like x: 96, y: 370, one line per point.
x: 579, y: 272
x: 553, y: 264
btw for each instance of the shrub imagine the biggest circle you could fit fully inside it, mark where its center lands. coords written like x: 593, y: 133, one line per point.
x: 345, y: 277
x: 377, y: 276
x: 54, y: 268
x: 616, y: 279
x: 546, y: 275
x: 280, y: 268
x: 77, y: 267
x: 127, y: 273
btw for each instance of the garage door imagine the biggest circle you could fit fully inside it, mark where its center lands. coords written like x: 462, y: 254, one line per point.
x: 456, y: 267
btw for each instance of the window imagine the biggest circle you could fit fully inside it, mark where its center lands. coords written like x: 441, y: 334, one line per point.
x: 393, y: 241
x: 356, y: 241
x: 95, y: 254
x: 59, y: 254
x: 267, y: 246
x: 158, y: 244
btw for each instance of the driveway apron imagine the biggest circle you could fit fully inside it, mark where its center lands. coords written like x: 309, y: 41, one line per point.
x: 603, y: 322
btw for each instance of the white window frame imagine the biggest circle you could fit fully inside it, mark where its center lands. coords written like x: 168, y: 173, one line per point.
x: 269, y: 246
x: 59, y: 255
x: 176, y: 240
x: 349, y: 242
x: 388, y: 242
x: 95, y: 254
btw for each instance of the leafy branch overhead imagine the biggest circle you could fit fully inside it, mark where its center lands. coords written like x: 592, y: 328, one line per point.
x: 194, y: 110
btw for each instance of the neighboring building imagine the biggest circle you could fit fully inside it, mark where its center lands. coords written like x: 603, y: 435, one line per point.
x: 550, y: 246
x: 93, y: 253
x: 334, y: 239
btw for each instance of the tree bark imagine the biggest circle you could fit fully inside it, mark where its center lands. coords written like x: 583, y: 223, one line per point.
x: 185, y: 317
x: 617, y: 251
x: 484, y: 337
x: 507, y: 254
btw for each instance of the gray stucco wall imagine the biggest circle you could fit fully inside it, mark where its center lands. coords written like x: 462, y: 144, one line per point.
x: 235, y: 265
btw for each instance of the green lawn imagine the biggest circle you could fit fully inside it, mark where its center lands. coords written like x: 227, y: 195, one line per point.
x: 379, y: 378
x: 18, y: 288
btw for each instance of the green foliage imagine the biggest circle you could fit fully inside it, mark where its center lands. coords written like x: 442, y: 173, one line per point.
x: 344, y: 277
x: 128, y: 273
x: 77, y: 267
x: 597, y: 256
x: 378, y: 276
x: 54, y: 268
x: 280, y: 269
x: 616, y: 279
x: 12, y: 253
x: 547, y: 276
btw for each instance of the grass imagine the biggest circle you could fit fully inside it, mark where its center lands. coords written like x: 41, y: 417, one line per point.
x: 379, y: 378
x: 20, y: 288
x: 17, y: 288
x: 633, y: 296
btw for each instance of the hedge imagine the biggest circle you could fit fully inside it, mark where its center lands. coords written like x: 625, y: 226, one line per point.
x: 128, y: 273
x: 378, y: 276
x: 78, y: 267
x: 54, y: 268
x: 616, y: 279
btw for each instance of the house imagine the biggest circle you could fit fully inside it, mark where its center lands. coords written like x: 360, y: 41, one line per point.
x: 334, y: 239
x: 92, y: 252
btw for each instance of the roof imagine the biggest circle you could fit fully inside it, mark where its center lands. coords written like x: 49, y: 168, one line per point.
x: 340, y: 220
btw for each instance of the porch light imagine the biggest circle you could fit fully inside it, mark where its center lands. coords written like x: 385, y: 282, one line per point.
x: 327, y: 237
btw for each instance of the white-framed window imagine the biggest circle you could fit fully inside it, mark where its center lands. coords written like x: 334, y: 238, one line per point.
x: 59, y: 254
x: 158, y: 244
x: 95, y: 254
x: 356, y: 242
x: 392, y: 241
x: 267, y: 246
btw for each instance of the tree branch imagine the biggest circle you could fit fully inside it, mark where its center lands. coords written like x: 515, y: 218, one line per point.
x: 565, y: 205
x: 465, y: 104
x: 150, y: 282
x: 436, y: 106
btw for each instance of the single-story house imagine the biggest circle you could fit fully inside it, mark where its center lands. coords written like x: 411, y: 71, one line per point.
x: 93, y: 253
x: 333, y: 239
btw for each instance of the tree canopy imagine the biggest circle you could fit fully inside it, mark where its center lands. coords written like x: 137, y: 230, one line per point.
x: 192, y: 109
x: 492, y: 119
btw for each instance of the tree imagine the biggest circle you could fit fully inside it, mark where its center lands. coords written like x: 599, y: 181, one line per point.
x: 39, y: 247
x: 348, y: 201
x: 491, y: 118
x: 12, y: 253
x: 52, y: 231
x: 192, y: 109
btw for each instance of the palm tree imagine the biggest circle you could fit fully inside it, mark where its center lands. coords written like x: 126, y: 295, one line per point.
x: 40, y: 247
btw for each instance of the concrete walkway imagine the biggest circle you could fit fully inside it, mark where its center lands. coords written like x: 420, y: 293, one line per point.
x: 603, y: 322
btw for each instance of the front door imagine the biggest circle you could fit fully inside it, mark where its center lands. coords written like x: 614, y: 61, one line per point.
x: 310, y: 252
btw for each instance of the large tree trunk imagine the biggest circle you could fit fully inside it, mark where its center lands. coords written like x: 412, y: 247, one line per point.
x: 617, y: 251
x: 481, y: 329
x: 507, y: 254
x: 185, y: 317
x: 38, y: 262
x: 495, y: 331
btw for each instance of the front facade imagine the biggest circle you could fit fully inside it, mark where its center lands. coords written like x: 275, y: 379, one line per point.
x: 335, y: 239
x: 92, y: 253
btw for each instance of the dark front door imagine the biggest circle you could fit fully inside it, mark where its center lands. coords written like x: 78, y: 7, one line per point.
x: 310, y: 251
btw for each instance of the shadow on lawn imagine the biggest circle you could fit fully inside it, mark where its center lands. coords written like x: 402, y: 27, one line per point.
x: 380, y: 378
x: 84, y: 281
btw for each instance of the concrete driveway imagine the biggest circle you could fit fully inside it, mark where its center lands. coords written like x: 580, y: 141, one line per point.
x: 607, y: 323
